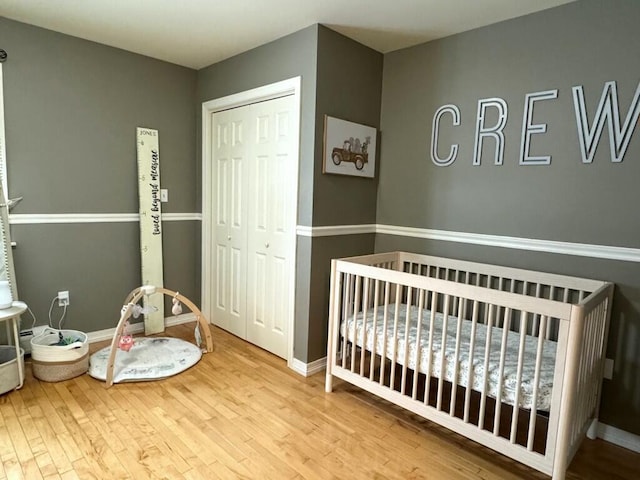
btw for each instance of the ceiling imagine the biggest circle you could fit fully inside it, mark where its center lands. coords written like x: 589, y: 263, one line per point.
x: 197, y: 33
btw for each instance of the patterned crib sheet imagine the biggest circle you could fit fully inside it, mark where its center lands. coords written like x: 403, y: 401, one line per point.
x: 509, y: 384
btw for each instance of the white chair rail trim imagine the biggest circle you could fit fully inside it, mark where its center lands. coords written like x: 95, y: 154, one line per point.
x: 625, y: 254
x: 608, y: 252
x: 44, y: 218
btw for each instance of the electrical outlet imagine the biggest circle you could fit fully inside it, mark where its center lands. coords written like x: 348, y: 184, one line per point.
x: 63, y: 298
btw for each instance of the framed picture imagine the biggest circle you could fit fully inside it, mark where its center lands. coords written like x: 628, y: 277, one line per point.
x: 349, y: 148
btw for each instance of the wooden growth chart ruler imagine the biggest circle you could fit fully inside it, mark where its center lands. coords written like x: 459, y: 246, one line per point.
x: 150, y: 226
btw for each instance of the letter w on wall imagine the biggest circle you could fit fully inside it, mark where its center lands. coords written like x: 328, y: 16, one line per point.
x: 607, y: 111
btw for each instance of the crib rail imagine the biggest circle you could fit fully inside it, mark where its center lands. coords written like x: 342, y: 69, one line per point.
x: 460, y: 318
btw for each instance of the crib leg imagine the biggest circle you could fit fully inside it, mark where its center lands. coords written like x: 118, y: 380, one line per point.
x: 328, y: 383
x: 592, y: 432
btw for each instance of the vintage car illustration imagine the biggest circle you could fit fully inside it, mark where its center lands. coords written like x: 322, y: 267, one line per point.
x: 352, y: 151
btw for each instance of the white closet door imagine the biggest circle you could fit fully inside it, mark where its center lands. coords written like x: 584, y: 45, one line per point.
x: 254, y: 202
x: 271, y: 242
x: 230, y: 183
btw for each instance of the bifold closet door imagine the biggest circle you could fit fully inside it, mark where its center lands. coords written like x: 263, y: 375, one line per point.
x: 230, y: 182
x: 254, y: 205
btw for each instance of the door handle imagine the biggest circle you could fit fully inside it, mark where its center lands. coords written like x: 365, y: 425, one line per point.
x: 229, y: 237
x: 266, y: 245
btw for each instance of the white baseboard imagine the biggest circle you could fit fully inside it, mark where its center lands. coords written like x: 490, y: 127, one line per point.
x: 134, y: 328
x: 619, y: 437
x: 308, y: 369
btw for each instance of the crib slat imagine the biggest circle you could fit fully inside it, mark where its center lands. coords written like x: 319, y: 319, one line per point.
x: 485, y: 380
x: 356, y: 304
x: 550, y: 322
x: 506, y: 323
x: 385, y: 325
x: 346, y: 298
x: 536, y: 317
x: 472, y: 345
x: 466, y: 300
x: 374, y: 343
x: 418, y: 359
x: 407, y: 327
x: 516, y: 401
x: 394, y: 358
x: 536, y: 382
x: 456, y: 305
x: 365, y: 311
x: 432, y: 321
x: 456, y: 365
x: 443, y: 343
x: 499, y: 322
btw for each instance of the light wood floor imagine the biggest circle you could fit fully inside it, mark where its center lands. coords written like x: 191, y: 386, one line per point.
x: 240, y: 413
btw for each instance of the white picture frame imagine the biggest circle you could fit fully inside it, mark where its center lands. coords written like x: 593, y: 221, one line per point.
x: 349, y: 148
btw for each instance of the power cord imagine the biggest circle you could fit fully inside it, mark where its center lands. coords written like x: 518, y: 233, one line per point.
x: 64, y: 313
x: 33, y: 324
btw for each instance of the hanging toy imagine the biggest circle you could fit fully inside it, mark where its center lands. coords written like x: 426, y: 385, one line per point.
x: 176, y: 309
x: 137, y: 310
x: 126, y: 341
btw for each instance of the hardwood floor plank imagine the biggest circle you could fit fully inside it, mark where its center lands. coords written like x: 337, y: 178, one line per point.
x: 51, y: 443
x: 46, y: 465
x: 70, y: 475
x: 12, y: 467
x: 18, y: 440
x: 155, y: 439
x: 31, y: 470
x: 54, y: 476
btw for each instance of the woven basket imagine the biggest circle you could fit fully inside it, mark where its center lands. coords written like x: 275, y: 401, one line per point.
x: 52, y: 362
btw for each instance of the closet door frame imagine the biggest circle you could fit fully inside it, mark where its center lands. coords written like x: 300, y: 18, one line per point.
x: 268, y: 92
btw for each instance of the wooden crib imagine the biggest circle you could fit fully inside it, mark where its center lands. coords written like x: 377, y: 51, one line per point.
x: 512, y: 359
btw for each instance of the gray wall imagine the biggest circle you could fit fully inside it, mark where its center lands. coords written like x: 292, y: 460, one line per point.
x: 71, y: 110
x: 584, y: 43
x: 349, y: 87
x: 323, y: 199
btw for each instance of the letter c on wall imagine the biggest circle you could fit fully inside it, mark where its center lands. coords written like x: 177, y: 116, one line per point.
x: 453, y: 152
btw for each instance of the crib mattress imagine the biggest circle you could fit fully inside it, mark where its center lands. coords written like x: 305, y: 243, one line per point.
x: 418, y: 353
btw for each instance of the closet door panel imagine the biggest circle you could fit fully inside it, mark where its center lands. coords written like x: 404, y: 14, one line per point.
x: 230, y: 225
x: 271, y: 226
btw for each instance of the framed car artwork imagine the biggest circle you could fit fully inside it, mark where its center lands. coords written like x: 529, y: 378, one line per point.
x: 349, y: 148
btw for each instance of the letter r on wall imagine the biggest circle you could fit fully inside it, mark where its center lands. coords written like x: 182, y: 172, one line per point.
x: 495, y: 132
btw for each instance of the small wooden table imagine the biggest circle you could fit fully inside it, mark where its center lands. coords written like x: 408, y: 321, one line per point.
x: 10, y: 315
